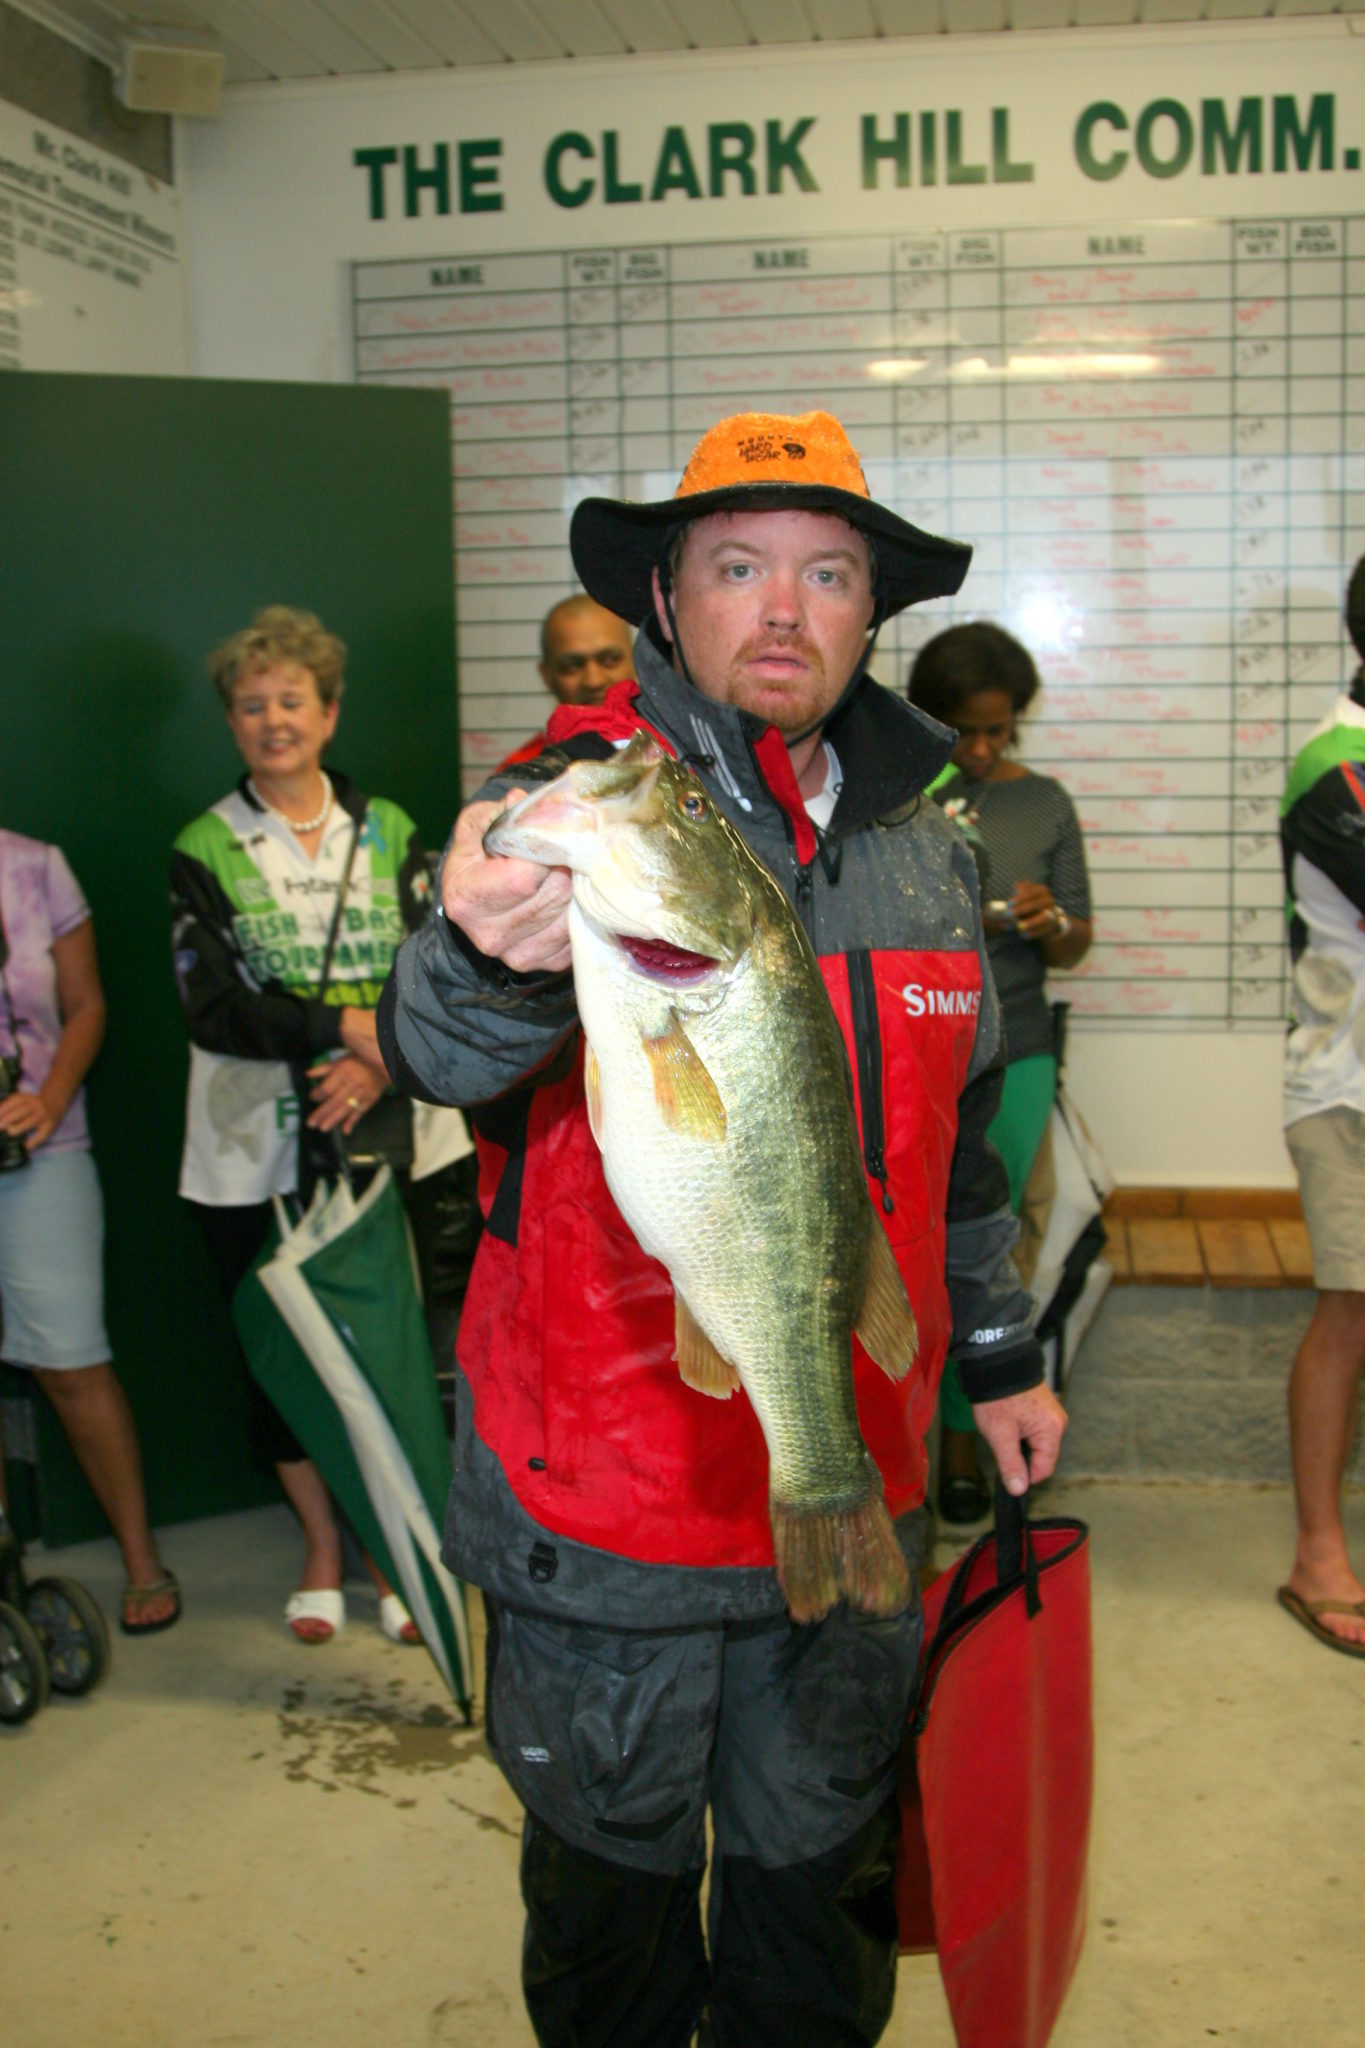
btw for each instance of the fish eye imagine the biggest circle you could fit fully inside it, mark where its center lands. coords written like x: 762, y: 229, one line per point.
x: 693, y: 805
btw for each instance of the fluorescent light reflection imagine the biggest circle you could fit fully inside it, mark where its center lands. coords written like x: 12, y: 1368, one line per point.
x: 898, y: 367
x: 1080, y: 365
x: 1047, y: 621
x: 976, y: 369
x: 1084, y: 366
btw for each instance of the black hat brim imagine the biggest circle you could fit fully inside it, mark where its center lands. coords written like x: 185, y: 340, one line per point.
x: 617, y: 545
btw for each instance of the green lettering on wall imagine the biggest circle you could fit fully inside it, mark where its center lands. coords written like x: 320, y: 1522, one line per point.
x: 1003, y: 172
x: 675, y: 170
x: 417, y: 180
x: 570, y: 143
x: 1164, y: 166
x: 1289, y: 136
x: 784, y: 154
x: 1100, y: 113
x: 1234, y: 143
x: 958, y: 172
x: 730, y: 148
x: 613, y: 190
x: 928, y: 148
x: 376, y: 162
x: 475, y: 174
x: 893, y: 148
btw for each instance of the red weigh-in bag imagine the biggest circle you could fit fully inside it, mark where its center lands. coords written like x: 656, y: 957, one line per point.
x: 996, y: 1779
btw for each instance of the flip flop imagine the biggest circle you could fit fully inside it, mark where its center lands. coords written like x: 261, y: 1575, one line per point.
x: 1307, y: 1612
x: 322, y: 1610
x: 397, y: 1624
x: 142, y: 1597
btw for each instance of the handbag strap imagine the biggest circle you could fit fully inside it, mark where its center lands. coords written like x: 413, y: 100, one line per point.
x: 1015, y: 1556
x: 1016, y: 1564
x: 335, y: 1142
x: 1015, y: 1560
x: 11, y: 1019
x: 1061, y: 1103
x: 331, y: 946
x: 4, y: 985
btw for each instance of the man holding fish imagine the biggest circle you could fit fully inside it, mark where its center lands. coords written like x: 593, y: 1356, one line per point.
x: 714, y: 977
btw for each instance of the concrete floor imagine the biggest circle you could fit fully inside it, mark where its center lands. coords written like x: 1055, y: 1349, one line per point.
x: 237, y: 1842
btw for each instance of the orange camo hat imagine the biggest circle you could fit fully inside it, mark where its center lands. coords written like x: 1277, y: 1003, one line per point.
x: 759, y: 461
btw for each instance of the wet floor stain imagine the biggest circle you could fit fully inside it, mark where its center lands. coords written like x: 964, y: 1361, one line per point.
x: 357, y: 1738
x: 458, y: 2021
x: 487, y: 1823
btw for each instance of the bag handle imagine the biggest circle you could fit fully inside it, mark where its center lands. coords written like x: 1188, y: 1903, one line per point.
x: 9, y: 1013
x: 1061, y: 1102
x: 9, y: 1000
x: 343, y: 1164
x: 1015, y: 1556
x: 343, y: 886
x: 1015, y: 1561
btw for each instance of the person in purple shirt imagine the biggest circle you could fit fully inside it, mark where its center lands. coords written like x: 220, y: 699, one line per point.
x: 51, y: 1215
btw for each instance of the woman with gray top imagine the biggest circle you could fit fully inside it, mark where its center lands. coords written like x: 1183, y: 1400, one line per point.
x: 1036, y: 910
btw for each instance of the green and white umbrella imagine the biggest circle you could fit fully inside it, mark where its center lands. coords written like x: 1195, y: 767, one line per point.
x: 331, y: 1320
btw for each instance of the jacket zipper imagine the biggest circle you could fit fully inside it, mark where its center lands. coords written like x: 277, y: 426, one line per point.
x: 805, y: 897
x: 867, y: 1040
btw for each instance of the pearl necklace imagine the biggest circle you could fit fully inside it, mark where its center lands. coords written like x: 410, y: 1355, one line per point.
x: 299, y: 825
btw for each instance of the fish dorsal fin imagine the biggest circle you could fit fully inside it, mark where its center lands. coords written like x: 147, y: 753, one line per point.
x: 886, y: 1324
x: 592, y: 1088
x: 688, y: 1099
x: 699, y: 1362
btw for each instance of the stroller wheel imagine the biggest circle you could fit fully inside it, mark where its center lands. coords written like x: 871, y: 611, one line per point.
x: 24, y: 1682
x: 71, y: 1627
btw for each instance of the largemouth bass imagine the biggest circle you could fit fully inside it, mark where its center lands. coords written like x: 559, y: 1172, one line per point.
x: 718, y: 1092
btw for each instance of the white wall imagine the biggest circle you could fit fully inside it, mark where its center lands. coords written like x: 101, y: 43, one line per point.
x: 277, y: 209
x: 1183, y: 1109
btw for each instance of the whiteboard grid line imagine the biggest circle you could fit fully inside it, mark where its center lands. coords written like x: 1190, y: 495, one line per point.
x: 1279, y: 566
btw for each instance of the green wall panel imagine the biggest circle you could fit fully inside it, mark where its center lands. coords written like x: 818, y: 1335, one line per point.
x: 142, y: 520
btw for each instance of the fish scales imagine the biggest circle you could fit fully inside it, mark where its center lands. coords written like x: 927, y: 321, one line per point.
x: 759, y: 1234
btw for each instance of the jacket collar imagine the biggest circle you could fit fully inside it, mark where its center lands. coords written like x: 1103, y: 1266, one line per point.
x: 889, y: 751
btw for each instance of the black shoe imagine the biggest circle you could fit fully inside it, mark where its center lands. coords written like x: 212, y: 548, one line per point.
x: 962, y: 1500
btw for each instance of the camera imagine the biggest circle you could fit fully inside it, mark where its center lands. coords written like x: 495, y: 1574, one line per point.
x: 13, y: 1151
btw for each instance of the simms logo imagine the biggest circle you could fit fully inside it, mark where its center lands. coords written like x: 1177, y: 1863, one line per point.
x: 940, y: 1002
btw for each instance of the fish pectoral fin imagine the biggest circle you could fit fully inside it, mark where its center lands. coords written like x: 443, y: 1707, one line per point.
x: 699, y: 1362
x: 592, y: 1088
x: 688, y: 1099
x: 886, y: 1325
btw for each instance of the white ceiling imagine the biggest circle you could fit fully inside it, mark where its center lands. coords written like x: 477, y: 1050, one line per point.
x: 283, y: 39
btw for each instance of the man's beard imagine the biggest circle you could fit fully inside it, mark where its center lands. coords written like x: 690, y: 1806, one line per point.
x: 797, y: 702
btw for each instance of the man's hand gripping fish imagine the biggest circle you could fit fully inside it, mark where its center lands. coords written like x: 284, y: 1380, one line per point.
x: 718, y: 1093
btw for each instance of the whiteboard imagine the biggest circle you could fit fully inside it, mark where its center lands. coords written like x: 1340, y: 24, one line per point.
x: 90, y: 257
x: 1153, y: 434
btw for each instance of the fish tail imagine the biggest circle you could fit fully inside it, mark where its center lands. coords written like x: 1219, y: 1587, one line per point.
x: 828, y: 1555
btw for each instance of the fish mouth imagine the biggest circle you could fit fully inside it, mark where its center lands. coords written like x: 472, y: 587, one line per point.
x: 661, y: 960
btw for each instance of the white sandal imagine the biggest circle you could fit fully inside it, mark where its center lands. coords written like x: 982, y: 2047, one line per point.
x: 397, y: 1624
x: 321, y: 1604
